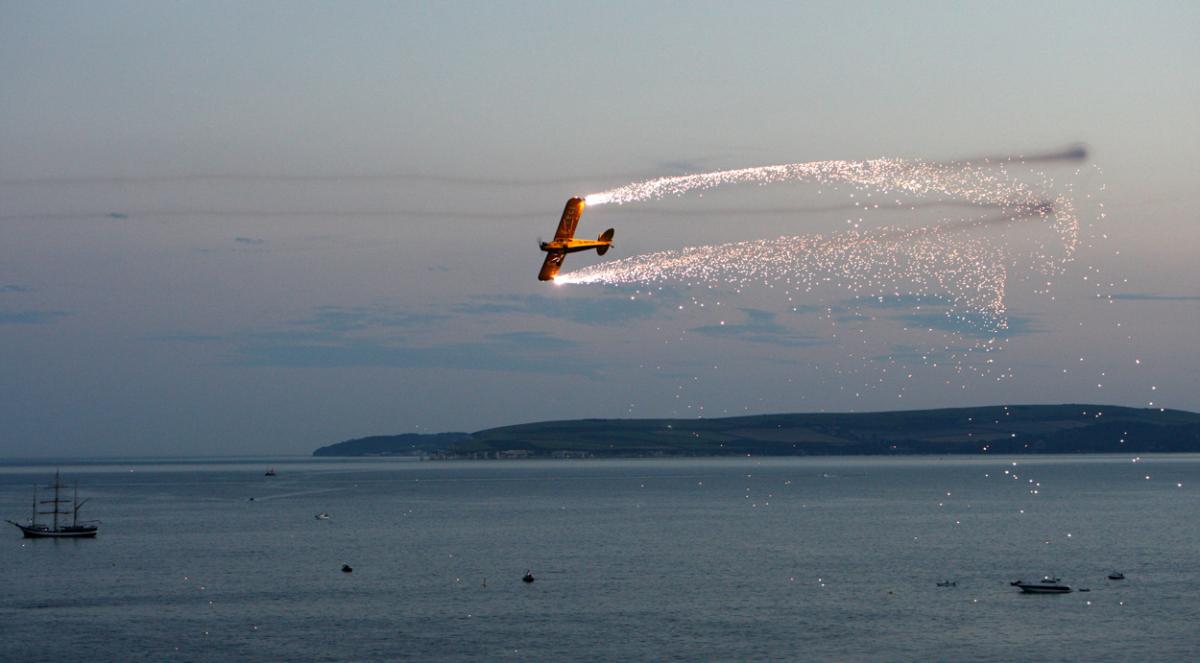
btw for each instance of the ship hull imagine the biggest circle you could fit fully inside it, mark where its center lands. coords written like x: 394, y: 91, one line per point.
x: 67, y: 533
x: 1043, y: 589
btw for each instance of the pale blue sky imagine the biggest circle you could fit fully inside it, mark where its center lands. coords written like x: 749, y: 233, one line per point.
x: 263, y: 227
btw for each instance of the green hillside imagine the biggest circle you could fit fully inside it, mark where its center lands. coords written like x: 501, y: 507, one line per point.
x: 992, y: 429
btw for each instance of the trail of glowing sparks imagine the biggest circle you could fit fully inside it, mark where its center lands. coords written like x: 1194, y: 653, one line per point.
x: 943, y: 260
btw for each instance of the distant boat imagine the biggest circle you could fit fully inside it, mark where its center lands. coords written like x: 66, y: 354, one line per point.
x: 322, y: 516
x: 270, y: 472
x: 528, y: 577
x: 1116, y: 575
x: 947, y: 583
x: 78, y: 529
x: 1041, y: 587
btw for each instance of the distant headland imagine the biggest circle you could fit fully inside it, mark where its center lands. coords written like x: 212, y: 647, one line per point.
x: 998, y: 429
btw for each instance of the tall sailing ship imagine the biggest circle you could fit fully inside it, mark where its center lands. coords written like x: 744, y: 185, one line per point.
x: 57, y: 528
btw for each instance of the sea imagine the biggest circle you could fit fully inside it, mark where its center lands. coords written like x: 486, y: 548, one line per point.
x: 731, y: 559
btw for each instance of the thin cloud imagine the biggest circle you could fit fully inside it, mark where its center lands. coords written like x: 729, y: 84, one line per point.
x: 759, y: 327
x: 601, y: 311
x: 356, y: 318
x: 316, y: 178
x: 31, y: 317
x: 341, y: 337
x: 970, y: 325
x: 1155, y: 297
x: 531, y: 352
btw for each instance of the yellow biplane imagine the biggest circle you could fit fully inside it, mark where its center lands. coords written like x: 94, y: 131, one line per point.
x: 564, y: 241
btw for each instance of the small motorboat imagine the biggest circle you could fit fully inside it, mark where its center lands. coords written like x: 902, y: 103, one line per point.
x: 528, y: 577
x: 948, y: 583
x: 322, y: 516
x: 270, y: 472
x: 1041, y: 587
x: 1116, y: 575
x: 347, y: 569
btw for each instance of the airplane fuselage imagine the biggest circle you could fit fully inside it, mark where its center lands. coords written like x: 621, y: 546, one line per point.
x: 572, y: 245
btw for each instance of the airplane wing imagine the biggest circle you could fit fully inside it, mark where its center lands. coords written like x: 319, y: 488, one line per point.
x: 550, y: 266
x: 570, y: 219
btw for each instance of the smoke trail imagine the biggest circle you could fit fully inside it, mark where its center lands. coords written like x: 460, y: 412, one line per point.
x: 1074, y: 152
x: 936, y: 262
x: 943, y: 260
x: 915, y: 178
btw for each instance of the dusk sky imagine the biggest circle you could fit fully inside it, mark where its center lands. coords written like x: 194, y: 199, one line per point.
x: 256, y: 228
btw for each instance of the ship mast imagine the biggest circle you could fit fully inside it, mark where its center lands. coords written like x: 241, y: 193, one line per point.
x: 56, y: 487
x: 56, y: 501
x: 77, y: 505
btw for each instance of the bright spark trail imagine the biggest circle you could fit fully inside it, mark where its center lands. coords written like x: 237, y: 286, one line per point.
x: 948, y: 261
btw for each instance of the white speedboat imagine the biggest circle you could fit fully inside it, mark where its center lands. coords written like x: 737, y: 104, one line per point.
x: 1043, y: 587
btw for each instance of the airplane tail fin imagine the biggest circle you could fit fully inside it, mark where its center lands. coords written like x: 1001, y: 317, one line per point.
x: 605, y: 236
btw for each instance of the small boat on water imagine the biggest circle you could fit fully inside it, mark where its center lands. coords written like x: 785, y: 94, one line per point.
x: 270, y: 472
x: 322, y: 516
x: 78, y: 529
x: 528, y: 577
x: 947, y: 583
x: 1041, y: 587
x: 1116, y: 575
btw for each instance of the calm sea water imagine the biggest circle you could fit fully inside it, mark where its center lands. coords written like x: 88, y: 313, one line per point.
x: 657, y: 560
